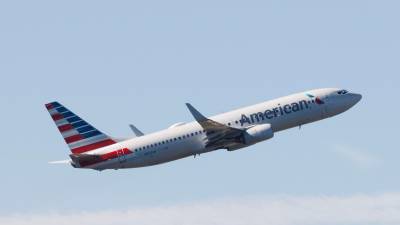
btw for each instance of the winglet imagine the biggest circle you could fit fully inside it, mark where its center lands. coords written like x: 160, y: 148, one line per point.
x: 136, y: 131
x: 196, y: 114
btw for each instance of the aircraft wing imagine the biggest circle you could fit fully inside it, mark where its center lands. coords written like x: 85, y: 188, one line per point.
x: 218, y: 135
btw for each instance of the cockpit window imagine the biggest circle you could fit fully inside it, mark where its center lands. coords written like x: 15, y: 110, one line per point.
x: 342, y: 92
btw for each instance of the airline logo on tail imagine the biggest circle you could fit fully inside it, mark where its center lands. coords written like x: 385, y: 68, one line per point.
x: 77, y: 133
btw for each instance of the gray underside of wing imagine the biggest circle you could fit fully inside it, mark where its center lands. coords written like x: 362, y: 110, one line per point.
x: 218, y: 135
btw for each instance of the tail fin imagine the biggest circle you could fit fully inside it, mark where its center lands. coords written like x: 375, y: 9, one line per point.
x: 77, y: 133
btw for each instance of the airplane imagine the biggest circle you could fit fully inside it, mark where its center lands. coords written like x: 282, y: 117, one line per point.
x: 92, y: 149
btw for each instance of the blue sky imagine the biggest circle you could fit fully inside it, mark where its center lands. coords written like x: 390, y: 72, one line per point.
x: 121, y: 62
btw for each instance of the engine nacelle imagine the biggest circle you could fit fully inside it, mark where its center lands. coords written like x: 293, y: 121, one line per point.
x: 258, y: 133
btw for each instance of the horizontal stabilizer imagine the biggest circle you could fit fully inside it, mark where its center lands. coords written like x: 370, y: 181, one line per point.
x: 67, y: 161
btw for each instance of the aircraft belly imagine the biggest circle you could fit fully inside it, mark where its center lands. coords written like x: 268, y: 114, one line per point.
x: 162, y: 155
x: 294, y: 120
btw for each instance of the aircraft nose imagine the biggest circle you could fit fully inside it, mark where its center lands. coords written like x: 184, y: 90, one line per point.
x: 355, y: 98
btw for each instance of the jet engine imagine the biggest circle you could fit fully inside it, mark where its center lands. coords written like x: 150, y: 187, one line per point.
x: 252, y: 135
x: 257, y: 133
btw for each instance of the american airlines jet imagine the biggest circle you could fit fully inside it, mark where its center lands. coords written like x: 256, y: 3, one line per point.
x: 92, y: 149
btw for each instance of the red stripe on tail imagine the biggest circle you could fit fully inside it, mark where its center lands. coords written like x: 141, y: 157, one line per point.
x: 92, y: 146
x: 49, y: 106
x: 74, y: 138
x: 65, y: 127
x: 57, y: 117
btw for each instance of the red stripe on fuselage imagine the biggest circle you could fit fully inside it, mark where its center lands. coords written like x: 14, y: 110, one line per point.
x: 114, y: 154
x: 92, y: 146
x: 108, y: 156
